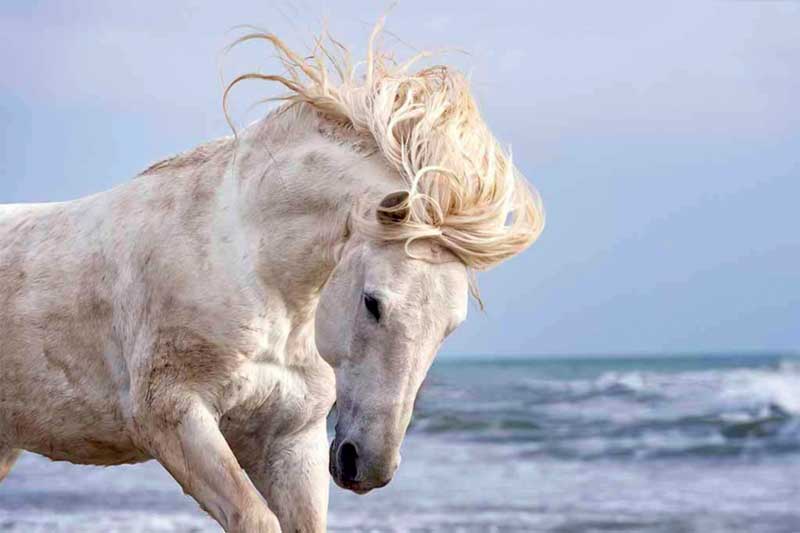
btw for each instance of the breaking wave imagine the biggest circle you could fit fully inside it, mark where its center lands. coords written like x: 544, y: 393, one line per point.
x: 590, y: 409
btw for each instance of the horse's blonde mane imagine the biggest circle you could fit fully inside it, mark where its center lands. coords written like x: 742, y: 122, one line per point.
x: 463, y: 190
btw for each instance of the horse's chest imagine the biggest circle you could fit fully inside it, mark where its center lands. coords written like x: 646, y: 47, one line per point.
x: 272, y: 401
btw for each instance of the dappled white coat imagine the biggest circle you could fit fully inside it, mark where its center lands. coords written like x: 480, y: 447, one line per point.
x: 173, y: 317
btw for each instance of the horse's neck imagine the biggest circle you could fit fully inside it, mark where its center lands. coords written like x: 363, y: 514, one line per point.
x: 294, y: 189
x: 290, y: 223
x: 266, y: 217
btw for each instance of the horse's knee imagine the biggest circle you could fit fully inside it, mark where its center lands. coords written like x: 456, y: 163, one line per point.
x: 254, y: 520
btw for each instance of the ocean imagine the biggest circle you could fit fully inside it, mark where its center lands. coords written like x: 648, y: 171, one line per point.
x: 654, y: 444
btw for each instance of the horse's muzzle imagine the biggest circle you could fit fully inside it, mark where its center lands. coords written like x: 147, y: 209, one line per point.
x: 352, y: 470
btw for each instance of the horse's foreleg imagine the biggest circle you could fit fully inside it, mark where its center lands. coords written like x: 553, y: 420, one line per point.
x: 8, y: 456
x: 194, y: 451
x: 295, y: 479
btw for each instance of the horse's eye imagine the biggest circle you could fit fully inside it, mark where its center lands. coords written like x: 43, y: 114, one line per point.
x: 373, y: 306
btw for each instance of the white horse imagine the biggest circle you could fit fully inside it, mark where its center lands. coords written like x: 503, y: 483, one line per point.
x: 208, y: 313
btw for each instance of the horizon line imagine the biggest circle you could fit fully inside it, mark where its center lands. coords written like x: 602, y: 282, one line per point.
x: 627, y: 355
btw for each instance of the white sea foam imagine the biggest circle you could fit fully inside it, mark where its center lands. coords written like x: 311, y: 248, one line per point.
x: 754, y: 388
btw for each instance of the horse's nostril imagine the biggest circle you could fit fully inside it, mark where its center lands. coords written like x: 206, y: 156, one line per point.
x: 348, y: 461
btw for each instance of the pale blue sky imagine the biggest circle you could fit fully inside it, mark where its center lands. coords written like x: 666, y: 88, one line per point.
x: 664, y: 138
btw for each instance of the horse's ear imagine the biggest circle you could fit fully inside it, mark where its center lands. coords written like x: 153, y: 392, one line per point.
x: 393, y: 209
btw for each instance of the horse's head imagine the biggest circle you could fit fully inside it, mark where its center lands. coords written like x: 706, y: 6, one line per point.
x: 381, y: 319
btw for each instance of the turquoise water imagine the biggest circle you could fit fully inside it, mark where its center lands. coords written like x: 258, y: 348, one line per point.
x: 673, y: 444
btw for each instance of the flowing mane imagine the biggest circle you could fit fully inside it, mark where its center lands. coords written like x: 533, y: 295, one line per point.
x: 462, y: 190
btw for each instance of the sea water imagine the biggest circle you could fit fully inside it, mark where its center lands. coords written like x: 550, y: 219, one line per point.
x: 657, y: 444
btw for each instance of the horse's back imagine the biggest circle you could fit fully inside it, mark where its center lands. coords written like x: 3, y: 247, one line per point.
x: 59, y: 389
